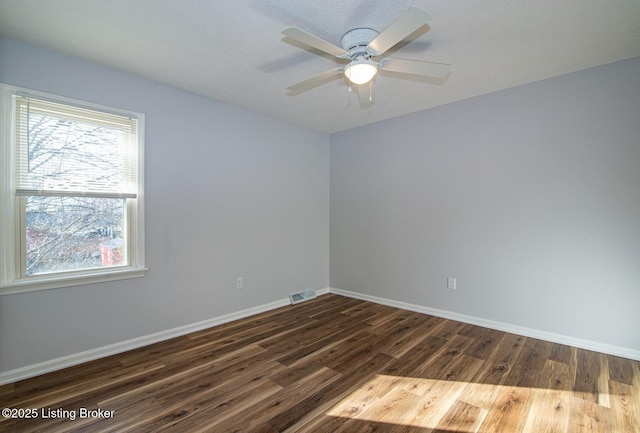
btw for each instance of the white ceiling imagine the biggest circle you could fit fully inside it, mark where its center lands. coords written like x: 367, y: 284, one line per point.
x: 232, y: 50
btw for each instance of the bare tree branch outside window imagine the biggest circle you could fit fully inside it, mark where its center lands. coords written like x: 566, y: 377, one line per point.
x: 66, y: 232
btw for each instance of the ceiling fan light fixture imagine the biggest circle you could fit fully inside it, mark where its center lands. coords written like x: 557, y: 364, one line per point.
x: 361, y: 45
x: 361, y: 71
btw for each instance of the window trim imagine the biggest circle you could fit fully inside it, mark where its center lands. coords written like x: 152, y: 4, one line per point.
x: 11, y: 280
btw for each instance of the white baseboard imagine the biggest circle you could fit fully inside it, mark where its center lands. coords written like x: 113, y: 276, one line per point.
x: 123, y: 346
x: 500, y: 326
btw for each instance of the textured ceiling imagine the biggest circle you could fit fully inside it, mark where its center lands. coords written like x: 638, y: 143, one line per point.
x: 232, y: 50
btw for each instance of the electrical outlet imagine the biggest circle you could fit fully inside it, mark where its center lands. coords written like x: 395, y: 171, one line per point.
x: 451, y: 283
x: 239, y: 283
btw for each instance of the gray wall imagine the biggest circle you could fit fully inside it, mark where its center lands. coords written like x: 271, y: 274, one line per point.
x: 228, y: 193
x: 530, y: 197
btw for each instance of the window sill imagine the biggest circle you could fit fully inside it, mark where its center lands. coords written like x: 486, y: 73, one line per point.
x: 32, y: 284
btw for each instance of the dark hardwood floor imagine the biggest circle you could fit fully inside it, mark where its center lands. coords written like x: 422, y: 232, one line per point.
x: 332, y: 365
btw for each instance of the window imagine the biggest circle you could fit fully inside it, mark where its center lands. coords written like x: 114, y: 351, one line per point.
x: 71, y: 196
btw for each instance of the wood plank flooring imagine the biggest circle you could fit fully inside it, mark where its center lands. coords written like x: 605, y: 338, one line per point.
x: 334, y: 365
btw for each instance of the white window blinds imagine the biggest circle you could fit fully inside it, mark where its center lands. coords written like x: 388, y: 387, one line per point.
x: 63, y: 150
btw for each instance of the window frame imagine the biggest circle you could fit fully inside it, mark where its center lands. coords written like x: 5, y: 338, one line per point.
x: 12, y: 208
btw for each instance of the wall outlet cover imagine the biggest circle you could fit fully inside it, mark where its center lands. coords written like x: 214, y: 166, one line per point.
x: 451, y: 283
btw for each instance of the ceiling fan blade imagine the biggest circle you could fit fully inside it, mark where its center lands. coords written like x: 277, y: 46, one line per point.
x: 407, y: 23
x: 416, y: 67
x: 315, y: 42
x: 314, y: 81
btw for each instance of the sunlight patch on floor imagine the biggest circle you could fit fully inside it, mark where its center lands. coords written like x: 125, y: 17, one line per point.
x: 457, y: 406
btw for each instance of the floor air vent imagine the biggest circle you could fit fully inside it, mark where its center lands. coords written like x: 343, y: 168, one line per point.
x: 302, y: 296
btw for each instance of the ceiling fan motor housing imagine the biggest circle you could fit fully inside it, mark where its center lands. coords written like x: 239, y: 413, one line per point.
x: 355, y: 41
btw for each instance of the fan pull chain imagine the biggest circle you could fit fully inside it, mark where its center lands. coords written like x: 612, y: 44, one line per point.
x: 370, y: 91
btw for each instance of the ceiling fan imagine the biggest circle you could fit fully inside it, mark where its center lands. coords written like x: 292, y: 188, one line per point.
x: 365, y: 48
